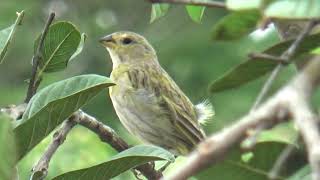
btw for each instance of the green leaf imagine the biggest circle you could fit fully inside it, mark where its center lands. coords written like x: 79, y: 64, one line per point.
x: 316, y: 51
x: 158, y: 11
x: 52, y: 105
x: 80, y: 47
x: 254, y: 68
x: 120, y: 163
x: 236, y: 25
x: 7, y: 149
x: 302, y: 174
x: 257, y: 167
x: 6, y: 36
x: 195, y: 13
x: 293, y: 9
x: 244, y: 4
x: 61, y: 42
x: 282, y: 133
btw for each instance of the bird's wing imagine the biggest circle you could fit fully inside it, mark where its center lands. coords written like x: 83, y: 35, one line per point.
x: 172, y: 100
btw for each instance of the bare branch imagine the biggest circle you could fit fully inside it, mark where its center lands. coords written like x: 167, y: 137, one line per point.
x: 286, y: 56
x: 35, y: 81
x: 40, y: 170
x: 283, y: 60
x: 109, y: 136
x: 289, y: 102
x: 215, y: 4
x: 267, y: 86
x: 105, y: 133
x: 295, y: 45
x: 13, y: 111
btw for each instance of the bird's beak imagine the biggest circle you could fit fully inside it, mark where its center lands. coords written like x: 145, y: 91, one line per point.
x: 107, y: 41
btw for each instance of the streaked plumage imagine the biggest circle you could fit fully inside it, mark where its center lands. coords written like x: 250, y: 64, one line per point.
x: 147, y: 101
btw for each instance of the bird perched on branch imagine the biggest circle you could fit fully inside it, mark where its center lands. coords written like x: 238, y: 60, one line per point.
x: 147, y: 101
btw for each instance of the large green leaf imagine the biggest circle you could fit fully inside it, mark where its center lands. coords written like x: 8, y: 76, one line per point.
x: 195, y: 12
x: 158, y: 11
x: 244, y: 4
x: 7, y: 149
x: 257, y: 167
x: 254, y: 68
x: 120, y: 163
x: 293, y: 9
x: 61, y: 42
x: 235, y: 25
x: 6, y: 36
x: 52, y: 105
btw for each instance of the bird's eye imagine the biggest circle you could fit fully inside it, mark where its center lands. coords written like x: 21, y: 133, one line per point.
x: 127, y: 41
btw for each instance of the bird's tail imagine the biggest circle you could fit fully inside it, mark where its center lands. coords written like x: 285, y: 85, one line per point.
x: 204, y: 111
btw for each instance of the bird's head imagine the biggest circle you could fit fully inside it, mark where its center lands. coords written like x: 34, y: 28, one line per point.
x: 128, y: 47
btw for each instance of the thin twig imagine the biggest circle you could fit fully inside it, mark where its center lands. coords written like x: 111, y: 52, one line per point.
x: 105, y: 133
x: 280, y: 162
x: 267, y: 86
x: 215, y: 4
x: 290, y: 102
x: 34, y: 81
x: 40, y: 170
x: 287, y: 55
x: 283, y: 60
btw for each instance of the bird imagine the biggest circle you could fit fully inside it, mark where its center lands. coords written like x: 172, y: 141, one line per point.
x: 148, y: 102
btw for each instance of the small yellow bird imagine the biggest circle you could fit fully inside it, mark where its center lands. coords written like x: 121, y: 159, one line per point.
x: 147, y: 101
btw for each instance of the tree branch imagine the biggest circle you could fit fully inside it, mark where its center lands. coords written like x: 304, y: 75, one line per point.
x: 40, y: 170
x: 13, y: 111
x: 286, y: 56
x: 215, y: 4
x: 34, y: 81
x: 290, y: 102
x: 283, y: 60
x: 280, y: 162
x: 109, y: 136
x: 106, y: 134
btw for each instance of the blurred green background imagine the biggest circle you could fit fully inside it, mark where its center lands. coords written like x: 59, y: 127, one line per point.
x: 184, y: 49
